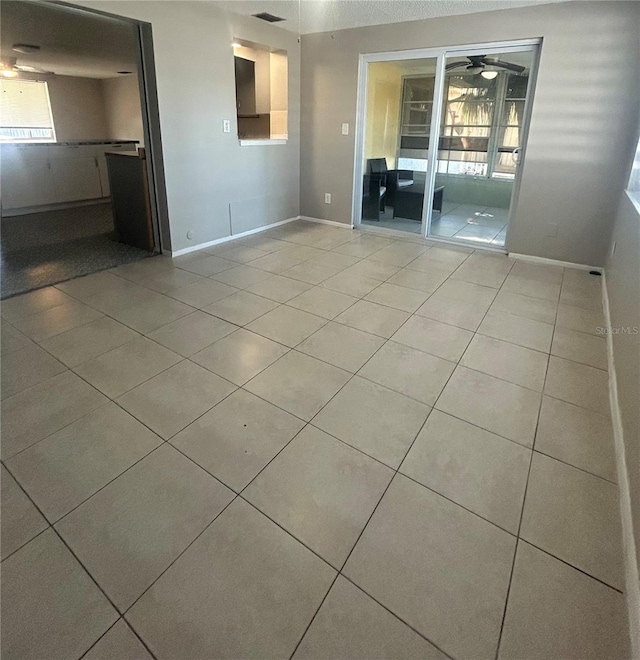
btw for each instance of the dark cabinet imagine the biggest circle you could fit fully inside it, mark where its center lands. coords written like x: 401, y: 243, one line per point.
x: 245, y: 86
x: 130, y: 198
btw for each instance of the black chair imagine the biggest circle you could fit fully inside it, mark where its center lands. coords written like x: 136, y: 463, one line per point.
x: 393, y: 179
x: 373, y: 197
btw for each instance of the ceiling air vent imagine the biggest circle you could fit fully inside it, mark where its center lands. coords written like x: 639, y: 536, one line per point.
x: 270, y: 18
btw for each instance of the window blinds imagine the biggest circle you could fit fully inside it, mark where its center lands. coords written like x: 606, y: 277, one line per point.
x: 25, y: 111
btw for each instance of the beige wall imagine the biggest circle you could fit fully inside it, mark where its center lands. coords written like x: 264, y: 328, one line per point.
x: 215, y: 187
x: 92, y: 109
x: 77, y: 107
x: 384, y: 92
x: 123, y: 115
x: 582, y: 114
x: 279, y: 94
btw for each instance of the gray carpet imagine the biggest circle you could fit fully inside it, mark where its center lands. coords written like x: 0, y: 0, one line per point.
x: 46, y: 248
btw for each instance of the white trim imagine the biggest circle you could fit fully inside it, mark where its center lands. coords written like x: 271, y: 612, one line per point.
x: 333, y: 223
x: 632, y: 579
x: 485, y: 247
x: 543, y: 261
x: 509, y: 46
x: 28, y: 210
x: 262, y: 143
x: 226, y: 239
x: 358, y: 152
x: 435, y: 129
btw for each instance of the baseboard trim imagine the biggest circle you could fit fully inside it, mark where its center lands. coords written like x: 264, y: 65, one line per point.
x: 552, y: 262
x: 226, y: 239
x: 632, y: 577
x: 28, y: 210
x: 333, y: 223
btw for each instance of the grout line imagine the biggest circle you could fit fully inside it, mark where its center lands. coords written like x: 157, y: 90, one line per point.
x: 304, y: 632
x: 37, y: 508
x: 64, y: 515
x: 84, y: 568
x: 129, y: 627
x: 344, y: 563
x: 111, y: 627
x: 576, y: 467
x: 415, y: 630
x: 522, y: 508
x: 175, y: 559
x: 570, y: 565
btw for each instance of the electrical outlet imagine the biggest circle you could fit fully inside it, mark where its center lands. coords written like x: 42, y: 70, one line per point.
x: 345, y: 129
x: 552, y: 229
x: 226, y: 126
x: 327, y: 198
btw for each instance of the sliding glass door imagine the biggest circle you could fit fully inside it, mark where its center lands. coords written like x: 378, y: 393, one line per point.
x: 472, y: 104
x: 482, y: 129
x: 399, y: 107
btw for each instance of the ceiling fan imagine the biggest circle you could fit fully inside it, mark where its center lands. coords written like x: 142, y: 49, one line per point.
x: 477, y: 63
x: 9, y: 68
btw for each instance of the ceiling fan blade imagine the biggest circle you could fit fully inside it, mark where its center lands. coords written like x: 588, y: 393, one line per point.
x: 455, y: 65
x: 504, y: 65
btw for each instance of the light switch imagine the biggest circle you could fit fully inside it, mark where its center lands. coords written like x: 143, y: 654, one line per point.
x: 226, y: 126
x: 345, y: 129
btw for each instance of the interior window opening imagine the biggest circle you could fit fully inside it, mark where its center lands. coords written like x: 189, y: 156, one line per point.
x: 261, y: 75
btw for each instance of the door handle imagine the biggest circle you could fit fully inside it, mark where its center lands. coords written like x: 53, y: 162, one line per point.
x: 515, y: 155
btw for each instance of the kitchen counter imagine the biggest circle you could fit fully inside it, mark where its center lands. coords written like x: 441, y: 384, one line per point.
x: 68, y: 143
x: 45, y: 174
x: 130, y: 154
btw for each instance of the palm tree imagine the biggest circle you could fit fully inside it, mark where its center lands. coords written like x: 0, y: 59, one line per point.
x: 476, y: 99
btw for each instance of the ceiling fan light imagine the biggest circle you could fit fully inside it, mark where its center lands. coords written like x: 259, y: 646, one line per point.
x: 489, y: 75
x: 475, y: 69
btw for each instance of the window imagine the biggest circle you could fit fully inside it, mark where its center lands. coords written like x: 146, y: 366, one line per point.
x: 481, y: 123
x: 25, y: 112
x: 468, y: 114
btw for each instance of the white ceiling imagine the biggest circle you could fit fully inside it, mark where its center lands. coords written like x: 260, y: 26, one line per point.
x: 71, y: 43
x: 329, y: 15
x: 80, y: 44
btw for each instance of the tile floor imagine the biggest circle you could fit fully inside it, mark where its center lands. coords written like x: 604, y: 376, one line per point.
x: 45, y: 248
x: 467, y: 223
x: 310, y: 443
x: 472, y: 222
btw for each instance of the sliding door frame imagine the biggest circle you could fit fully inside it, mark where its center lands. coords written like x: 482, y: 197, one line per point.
x: 440, y: 54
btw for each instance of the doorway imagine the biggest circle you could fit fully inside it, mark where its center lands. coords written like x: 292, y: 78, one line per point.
x: 81, y: 159
x: 474, y: 104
